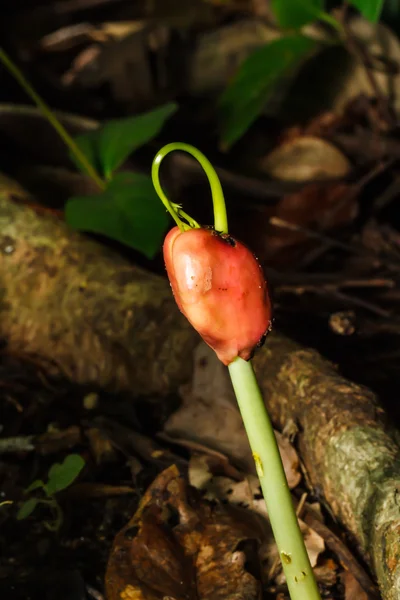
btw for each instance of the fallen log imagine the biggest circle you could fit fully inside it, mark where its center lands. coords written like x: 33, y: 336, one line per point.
x: 101, y: 321
x: 351, y: 457
x: 74, y: 304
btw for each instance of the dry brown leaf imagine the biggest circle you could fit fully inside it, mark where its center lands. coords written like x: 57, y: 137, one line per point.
x: 383, y: 46
x: 180, y: 546
x: 72, y: 36
x: 100, y: 446
x: 352, y: 589
x: 219, y: 52
x: 118, y: 54
x: 209, y: 413
x: 58, y: 440
x: 314, y: 542
x: 305, y: 158
x: 209, y: 416
x: 247, y: 494
x: 13, y: 190
x: 292, y: 228
x: 317, y: 207
x: 327, y: 572
x: 88, y: 490
x: 214, y: 461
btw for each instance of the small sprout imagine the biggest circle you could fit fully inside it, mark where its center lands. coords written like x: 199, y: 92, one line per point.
x: 60, y: 476
x: 27, y: 508
x: 219, y: 286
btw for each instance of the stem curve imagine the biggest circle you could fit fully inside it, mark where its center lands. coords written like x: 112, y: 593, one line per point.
x: 220, y: 217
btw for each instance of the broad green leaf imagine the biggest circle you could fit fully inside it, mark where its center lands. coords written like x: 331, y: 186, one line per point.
x: 38, y: 483
x: 128, y: 211
x: 61, y: 475
x: 110, y: 145
x: 244, y: 99
x: 27, y: 508
x: 296, y: 13
x: 370, y: 9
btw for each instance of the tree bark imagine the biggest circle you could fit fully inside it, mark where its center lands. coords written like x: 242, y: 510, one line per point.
x: 86, y: 311
x: 91, y: 315
x: 350, y: 454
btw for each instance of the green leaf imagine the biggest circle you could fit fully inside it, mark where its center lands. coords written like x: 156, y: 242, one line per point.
x: 110, y: 145
x: 38, y: 483
x: 128, y: 211
x: 61, y: 475
x: 296, y: 13
x: 27, y: 508
x: 244, y: 99
x: 370, y: 9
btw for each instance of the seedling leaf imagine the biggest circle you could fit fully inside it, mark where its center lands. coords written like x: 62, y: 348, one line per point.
x: 27, y: 508
x: 61, y: 475
x: 110, y: 145
x: 296, y: 13
x: 128, y: 211
x: 245, y: 98
x: 370, y: 9
x: 38, y: 483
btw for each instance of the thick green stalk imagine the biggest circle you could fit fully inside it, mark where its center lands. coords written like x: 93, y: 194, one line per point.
x: 52, y: 119
x: 296, y: 565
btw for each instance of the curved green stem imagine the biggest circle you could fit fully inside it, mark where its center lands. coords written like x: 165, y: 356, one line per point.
x: 293, y: 554
x: 57, y: 511
x: 220, y: 218
x: 52, y: 119
x: 296, y: 565
x: 334, y: 23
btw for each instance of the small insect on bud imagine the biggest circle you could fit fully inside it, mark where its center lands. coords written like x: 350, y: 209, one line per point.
x: 219, y: 286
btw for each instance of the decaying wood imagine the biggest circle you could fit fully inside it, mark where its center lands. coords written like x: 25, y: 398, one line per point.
x: 351, y: 458
x: 95, y: 317
x: 104, y: 322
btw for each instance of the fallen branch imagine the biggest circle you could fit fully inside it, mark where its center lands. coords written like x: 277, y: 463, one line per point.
x: 351, y: 459
x: 101, y: 321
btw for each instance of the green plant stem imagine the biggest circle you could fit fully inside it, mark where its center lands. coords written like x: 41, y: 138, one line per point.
x: 292, y: 551
x: 57, y: 511
x: 220, y: 217
x: 329, y: 20
x: 296, y: 565
x: 52, y: 119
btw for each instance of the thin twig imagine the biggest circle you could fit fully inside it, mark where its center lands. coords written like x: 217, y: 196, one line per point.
x: 336, y: 545
x: 371, y: 307
x: 16, y: 444
x: 361, y: 55
x: 389, y: 194
x: 332, y: 286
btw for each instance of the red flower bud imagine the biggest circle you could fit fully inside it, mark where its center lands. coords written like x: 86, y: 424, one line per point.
x: 219, y: 286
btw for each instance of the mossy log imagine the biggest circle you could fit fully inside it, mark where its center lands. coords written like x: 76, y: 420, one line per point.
x: 350, y: 453
x: 89, y: 313
x: 83, y: 309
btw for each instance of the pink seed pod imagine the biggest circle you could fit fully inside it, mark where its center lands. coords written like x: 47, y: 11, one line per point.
x: 219, y: 286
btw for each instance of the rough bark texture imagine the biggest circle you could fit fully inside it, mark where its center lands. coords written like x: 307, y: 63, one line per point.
x: 352, y: 460
x: 102, y: 321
